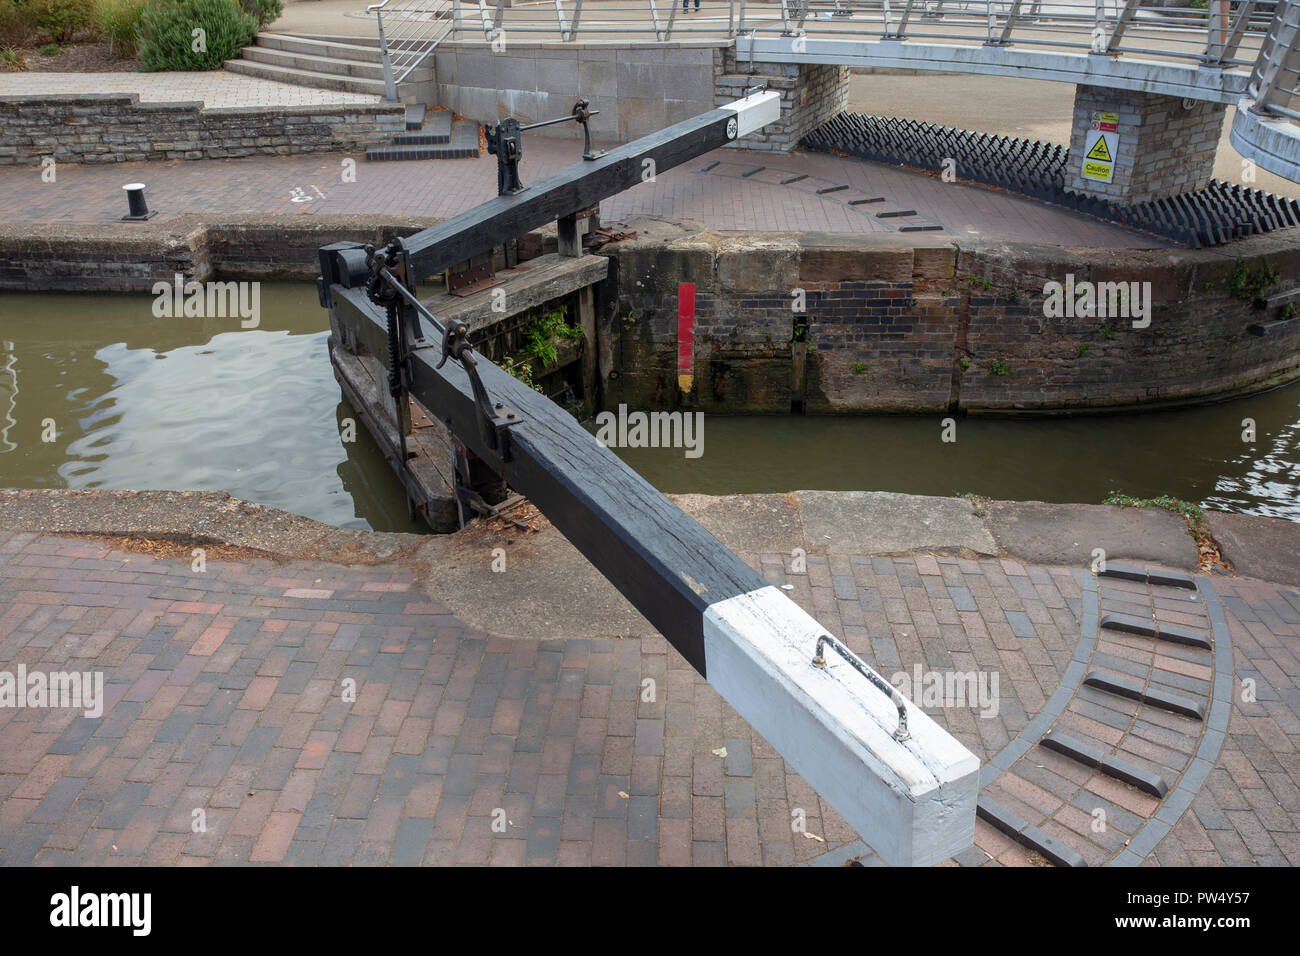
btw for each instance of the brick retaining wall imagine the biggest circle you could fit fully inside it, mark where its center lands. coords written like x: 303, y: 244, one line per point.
x: 890, y: 321
x: 118, y: 128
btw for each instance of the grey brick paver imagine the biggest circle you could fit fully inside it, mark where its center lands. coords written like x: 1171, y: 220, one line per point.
x: 554, y: 733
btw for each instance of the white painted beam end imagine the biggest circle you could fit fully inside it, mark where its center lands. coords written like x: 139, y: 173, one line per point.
x: 913, y: 801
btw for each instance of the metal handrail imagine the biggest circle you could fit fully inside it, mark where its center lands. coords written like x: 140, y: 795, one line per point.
x: 1225, y: 36
x: 858, y: 664
x: 1259, y: 36
x: 421, y: 26
x: 1275, y: 81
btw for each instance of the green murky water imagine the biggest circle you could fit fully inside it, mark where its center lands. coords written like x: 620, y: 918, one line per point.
x: 139, y: 401
x: 1196, y: 454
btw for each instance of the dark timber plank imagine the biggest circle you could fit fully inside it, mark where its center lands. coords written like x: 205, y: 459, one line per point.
x: 579, y: 186
x: 665, y: 562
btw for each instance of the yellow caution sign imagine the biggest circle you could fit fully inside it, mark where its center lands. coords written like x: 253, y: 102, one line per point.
x: 1100, y: 148
x: 1100, y: 151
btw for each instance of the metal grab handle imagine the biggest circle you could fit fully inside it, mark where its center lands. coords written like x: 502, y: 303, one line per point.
x: 860, y: 666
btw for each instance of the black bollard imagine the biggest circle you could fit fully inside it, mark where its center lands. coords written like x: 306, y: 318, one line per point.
x: 138, y: 209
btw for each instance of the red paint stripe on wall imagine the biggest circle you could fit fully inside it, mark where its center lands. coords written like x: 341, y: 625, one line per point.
x: 686, y: 328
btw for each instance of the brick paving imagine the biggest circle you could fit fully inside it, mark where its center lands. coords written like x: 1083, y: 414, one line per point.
x: 213, y: 88
x: 311, y: 184
x: 228, y: 692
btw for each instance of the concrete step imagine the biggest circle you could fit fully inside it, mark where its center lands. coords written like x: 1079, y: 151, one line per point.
x: 435, y: 131
x: 323, y: 64
x: 306, y: 63
x: 370, y: 41
x: 338, y: 48
x: 320, y: 81
x: 463, y: 144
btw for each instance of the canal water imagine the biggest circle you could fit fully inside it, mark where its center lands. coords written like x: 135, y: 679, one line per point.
x: 133, y: 400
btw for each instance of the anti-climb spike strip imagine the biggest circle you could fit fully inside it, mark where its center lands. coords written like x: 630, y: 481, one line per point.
x: 1215, y: 214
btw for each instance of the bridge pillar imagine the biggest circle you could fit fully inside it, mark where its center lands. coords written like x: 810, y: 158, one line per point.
x: 1157, y: 145
x: 811, y: 94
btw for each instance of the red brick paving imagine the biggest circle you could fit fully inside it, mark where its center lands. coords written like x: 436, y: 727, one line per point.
x: 462, y: 748
x: 440, y: 189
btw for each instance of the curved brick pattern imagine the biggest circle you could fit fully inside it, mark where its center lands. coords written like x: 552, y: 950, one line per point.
x: 1203, y: 214
x: 223, y: 693
x: 1248, y: 810
x: 883, y: 215
x: 1115, y: 771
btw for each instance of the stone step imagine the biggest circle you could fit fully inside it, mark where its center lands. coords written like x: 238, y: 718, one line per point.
x: 338, y: 48
x: 463, y: 145
x: 435, y: 131
x: 320, y: 81
x: 309, y: 63
x: 306, y: 63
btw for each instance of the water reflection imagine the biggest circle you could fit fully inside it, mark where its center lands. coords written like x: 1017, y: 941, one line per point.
x: 138, y: 401
x: 1197, y: 454
x: 142, y: 402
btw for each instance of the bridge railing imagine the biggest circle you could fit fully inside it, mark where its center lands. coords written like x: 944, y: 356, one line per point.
x: 1224, y: 33
x: 409, y: 30
x: 1275, y: 82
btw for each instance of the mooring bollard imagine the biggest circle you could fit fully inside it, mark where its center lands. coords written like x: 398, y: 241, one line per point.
x: 138, y: 209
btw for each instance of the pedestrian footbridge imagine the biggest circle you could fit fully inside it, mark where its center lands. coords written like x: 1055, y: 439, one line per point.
x: 1239, y: 53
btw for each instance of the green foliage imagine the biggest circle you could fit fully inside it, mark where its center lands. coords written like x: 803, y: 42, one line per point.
x: 59, y: 21
x: 985, y: 284
x: 998, y: 367
x: 119, y: 25
x: 964, y: 362
x: 167, y: 38
x: 1081, y: 350
x: 860, y: 367
x: 800, y: 330
x: 16, y: 26
x: 520, y: 370
x: 541, y: 333
x: 12, y: 58
x: 50, y: 49
x: 1250, y: 284
x: 1189, y: 512
x: 1107, y: 331
x: 1288, y: 310
x: 265, y: 11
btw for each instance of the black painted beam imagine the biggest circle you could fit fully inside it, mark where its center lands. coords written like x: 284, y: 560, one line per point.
x: 576, y: 187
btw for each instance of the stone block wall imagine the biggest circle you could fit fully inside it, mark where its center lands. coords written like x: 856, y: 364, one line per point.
x: 899, y: 324
x: 1165, y: 148
x: 638, y: 88
x: 810, y: 95
x: 118, y: 128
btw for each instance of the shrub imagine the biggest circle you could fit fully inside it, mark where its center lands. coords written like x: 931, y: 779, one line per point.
x: 15, y: 24
x: 12, y: 58
x: 60, y: 20
x: 119, y: 23
x: 266, y: 11
x: 168, y: 40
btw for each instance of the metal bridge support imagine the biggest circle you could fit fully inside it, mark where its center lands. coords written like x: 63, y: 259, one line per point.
x: 1132, y: 147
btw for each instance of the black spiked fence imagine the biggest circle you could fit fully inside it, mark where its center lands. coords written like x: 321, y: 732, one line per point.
x: 1215, y: 214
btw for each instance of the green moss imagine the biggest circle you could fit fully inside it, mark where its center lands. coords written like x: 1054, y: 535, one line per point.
x: 1188, y: 511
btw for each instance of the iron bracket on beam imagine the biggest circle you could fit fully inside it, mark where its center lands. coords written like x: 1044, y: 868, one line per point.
x: 494, y: 417
x: 506, y: 143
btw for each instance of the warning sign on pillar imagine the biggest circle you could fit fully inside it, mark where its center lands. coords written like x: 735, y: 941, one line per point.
x: 1100, y: 146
